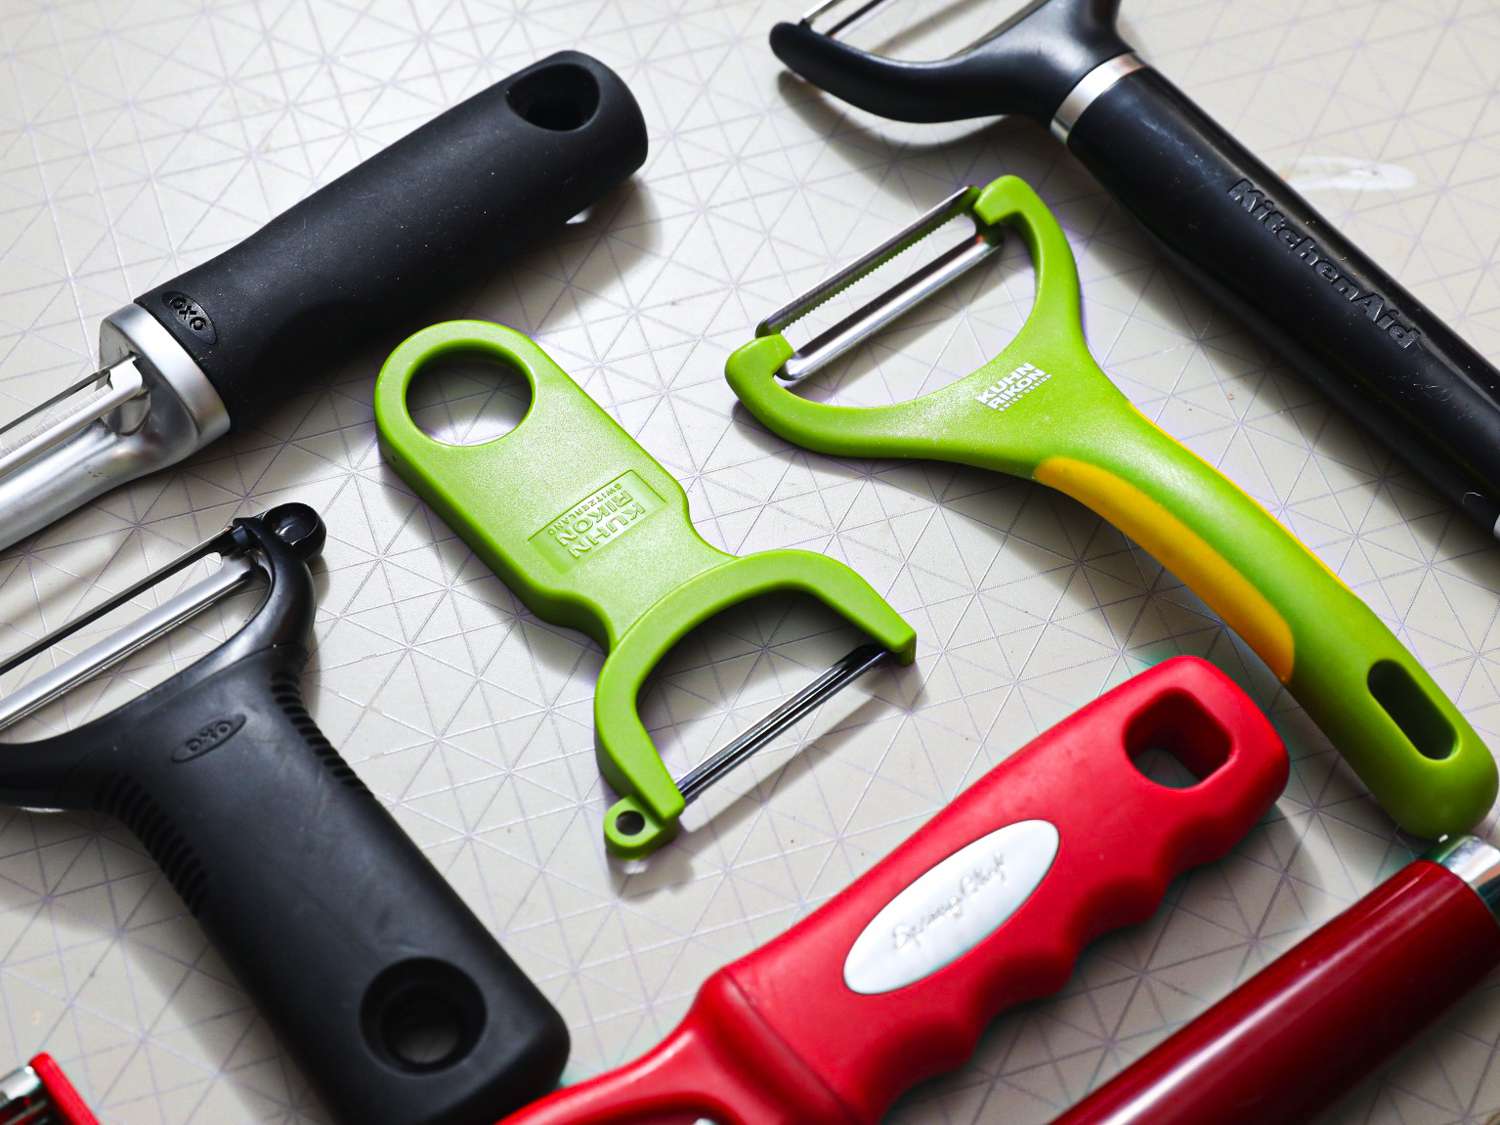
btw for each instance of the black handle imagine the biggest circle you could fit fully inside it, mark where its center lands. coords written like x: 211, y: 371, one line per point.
x: 439, y: 208
x: 391, y: 995
x: 1244, y: 235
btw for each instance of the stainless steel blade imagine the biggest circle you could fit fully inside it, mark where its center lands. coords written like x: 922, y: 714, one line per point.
x: 891, y: 304
x: 234, y: 575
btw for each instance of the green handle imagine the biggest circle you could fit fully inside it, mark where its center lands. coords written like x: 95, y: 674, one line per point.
x: 1043, y: 409
x: 590, y: 532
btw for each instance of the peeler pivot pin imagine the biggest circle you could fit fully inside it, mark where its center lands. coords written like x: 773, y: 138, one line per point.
x: 853, y: 665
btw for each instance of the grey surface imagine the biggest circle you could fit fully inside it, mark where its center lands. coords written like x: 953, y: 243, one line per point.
x: 137, y: 139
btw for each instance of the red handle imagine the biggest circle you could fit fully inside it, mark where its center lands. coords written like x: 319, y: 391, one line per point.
x: 1294, y: 1037
x: 874, y: 992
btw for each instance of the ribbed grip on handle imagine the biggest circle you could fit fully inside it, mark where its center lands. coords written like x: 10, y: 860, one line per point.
x: 361, y: 258
x: 1246, y: 237
x: 986, y: 906
x: 390, y: 994
x: 1288, y: 1041
x: 876, y: 992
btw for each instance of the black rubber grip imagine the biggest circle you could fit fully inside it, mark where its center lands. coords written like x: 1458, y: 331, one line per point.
x: 361, y: 258
x: 378, y: 978
x: 1245, y: 236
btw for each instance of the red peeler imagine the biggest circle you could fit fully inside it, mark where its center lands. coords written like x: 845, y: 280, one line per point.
x: 988, y: 905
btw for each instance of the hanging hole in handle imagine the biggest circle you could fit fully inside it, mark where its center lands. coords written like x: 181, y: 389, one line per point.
x: 422, y: 1015
x: 468, y: 398
x: 1175, y: 743
x: 630, y: 823
x: 558, y: 98
x: 1410, y: 709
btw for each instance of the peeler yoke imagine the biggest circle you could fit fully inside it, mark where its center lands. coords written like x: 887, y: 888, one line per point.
x: 1043, y: 409
x: 590, y: 532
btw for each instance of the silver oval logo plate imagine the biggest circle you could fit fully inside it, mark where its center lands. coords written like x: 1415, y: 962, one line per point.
x: 951, y: 907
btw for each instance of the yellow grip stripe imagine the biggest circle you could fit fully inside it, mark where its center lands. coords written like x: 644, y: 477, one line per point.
x: 1182, y: 551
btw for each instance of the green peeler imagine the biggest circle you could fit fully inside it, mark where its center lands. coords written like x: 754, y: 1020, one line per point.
x: 591, y: 533
x: 1044, y: 410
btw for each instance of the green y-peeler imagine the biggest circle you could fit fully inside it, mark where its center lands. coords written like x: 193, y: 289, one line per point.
x: 591, y: 533
x: 1043, y: 409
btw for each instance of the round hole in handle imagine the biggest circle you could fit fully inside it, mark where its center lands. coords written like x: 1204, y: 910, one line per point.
x: 467, y: 398
x: 558, y: 98
x: 630, y: 823
x: 422, y: 1015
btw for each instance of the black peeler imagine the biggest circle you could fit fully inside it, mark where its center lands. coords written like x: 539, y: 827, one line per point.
x: 389, y: 992
x: 1230, y: 222
x: 218, y: 347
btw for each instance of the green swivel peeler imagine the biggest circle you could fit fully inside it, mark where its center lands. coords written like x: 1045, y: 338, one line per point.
x: 1043, y: 409
x: 591, y: 533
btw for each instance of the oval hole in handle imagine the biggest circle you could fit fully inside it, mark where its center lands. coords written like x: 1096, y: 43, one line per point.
x: 1407, y: 704
x: 558, y: 98
x: 1175, y: 742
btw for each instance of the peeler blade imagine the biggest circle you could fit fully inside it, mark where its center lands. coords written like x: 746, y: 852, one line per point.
x: 90, y: 400
x: 236, y: 571
x: 896, y: 300
x: 849, y: 668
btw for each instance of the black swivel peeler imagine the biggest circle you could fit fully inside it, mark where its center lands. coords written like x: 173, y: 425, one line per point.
x: 1233, y: 225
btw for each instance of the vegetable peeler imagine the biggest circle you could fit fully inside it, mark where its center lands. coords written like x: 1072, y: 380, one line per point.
x: 217, y: 348
x: 39, y: 1093
x: 591, y: 533
x: 395, y: 1000
x: 1294, y: 1037
x: 1043, y: 409
x: 985, y: 907
x: 1232, y: 224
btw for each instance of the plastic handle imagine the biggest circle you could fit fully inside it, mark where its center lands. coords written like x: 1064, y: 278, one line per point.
x: 1295, y: 1036
x: 362, y: 257
x: 1043, y: 409
x: 893, y: 980
x: 1245, y: 236
x: 392, y: 997
x: 591, y: 532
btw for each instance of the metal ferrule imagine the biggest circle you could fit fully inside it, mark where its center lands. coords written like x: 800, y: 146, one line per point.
x: 1476, y: 863
x: 1089, y: 88
x: 170, y: 411
x: 23, y: 1098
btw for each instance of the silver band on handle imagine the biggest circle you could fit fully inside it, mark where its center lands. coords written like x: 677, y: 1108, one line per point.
x: 1476, y: 863
x: 1089, y: 87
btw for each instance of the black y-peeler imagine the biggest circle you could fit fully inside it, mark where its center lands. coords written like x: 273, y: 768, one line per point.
x: 389, y: 992
x: 1230, y: 222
